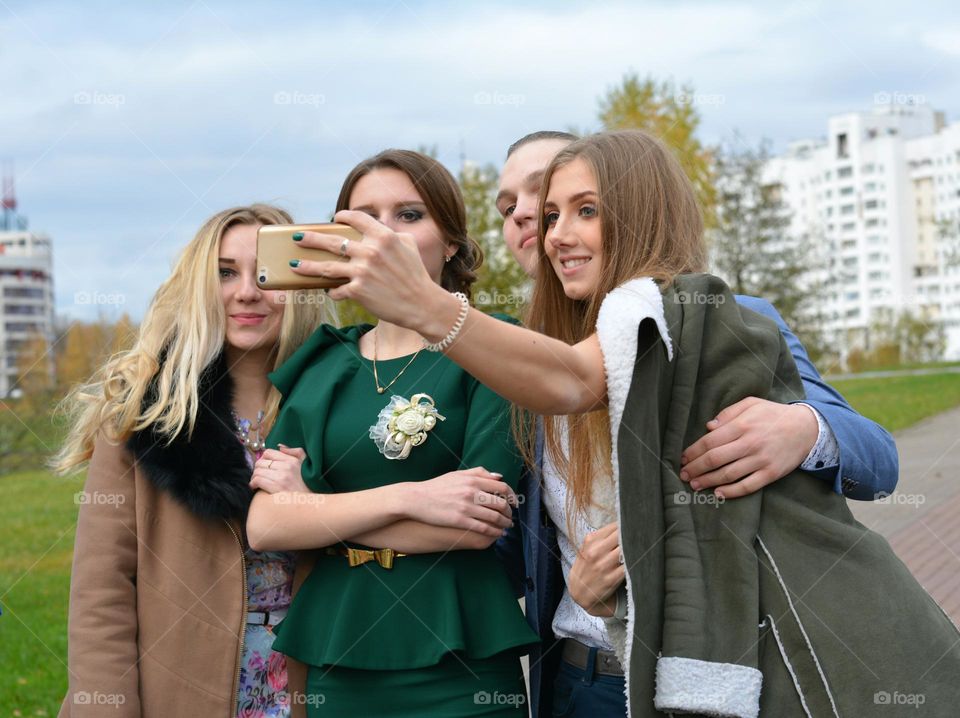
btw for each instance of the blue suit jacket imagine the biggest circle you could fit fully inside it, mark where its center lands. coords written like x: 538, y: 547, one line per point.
x: 868, y: 466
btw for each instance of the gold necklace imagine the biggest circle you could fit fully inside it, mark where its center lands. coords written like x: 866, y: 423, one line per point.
x: 376, y: 379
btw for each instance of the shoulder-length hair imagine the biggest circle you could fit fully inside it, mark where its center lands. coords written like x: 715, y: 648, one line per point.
x: 182, y: 333
x: 651, y: 226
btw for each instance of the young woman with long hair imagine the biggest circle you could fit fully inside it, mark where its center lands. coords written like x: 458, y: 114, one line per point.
x: 751, y: 443
x: 413, y: 620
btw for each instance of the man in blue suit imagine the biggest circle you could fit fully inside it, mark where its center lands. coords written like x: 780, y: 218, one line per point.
x: 750, y: 444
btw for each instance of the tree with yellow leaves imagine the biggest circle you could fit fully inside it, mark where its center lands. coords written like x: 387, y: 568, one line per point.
x: 671, y: 114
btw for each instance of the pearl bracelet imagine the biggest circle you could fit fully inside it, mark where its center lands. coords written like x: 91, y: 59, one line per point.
x: 455, y: 330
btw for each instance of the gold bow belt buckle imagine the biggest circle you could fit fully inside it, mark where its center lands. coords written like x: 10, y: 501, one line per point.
x: 360, y: 556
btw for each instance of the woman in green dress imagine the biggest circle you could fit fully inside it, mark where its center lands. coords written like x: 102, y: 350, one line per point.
x: 410, y: 619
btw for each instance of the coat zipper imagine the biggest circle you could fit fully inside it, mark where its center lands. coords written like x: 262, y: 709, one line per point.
x: 243, y: 623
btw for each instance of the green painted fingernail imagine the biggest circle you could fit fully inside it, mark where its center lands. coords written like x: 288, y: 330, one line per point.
x: 294, y: 262
x: 297, y: 236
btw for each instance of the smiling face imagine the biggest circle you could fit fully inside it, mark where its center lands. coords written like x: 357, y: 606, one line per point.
x: 517, y: 198
x: 389, y: 196
x: 253, y: 315
x: 573, y: 239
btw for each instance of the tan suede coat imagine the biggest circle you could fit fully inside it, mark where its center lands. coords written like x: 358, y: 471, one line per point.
x: 157, y: 601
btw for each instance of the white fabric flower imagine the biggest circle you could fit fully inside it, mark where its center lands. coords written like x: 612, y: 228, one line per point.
x: 409, y: 422
x: 403, y: 424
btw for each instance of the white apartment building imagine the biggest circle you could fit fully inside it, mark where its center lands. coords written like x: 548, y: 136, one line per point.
x: 871, y: 198
x: 26, y: 299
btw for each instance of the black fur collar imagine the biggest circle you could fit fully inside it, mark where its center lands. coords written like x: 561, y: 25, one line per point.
x: 208, y: 473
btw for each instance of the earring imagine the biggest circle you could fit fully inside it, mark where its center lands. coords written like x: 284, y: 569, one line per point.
x: 449, y: 257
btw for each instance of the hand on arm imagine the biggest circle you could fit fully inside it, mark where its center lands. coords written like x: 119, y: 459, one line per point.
x: 598, y: 572
x: 467, y: 509
x: 386, y: 275
x: 433, y: 513
x: 750, y: 444
x: 277, y: 471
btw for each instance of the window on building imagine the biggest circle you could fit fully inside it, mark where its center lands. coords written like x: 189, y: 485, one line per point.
x: 843, y: 172
x: 23, y: 292
x: 871, y: 204
x: 23, y: 309
x: 843, y: 150
x: 22, y: 326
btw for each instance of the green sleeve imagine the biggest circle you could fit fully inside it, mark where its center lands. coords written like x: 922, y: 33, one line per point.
x: 289, y: 430
x: 488, y: 437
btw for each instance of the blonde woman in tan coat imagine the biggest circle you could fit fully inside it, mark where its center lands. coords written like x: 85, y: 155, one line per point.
x: 171, y: 611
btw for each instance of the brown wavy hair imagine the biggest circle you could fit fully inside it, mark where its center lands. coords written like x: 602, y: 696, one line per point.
x: 651, y: 226
x: 444, y: 200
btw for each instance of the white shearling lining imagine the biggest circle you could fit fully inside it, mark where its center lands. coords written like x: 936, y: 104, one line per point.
x: 617, y: 325
x: 725, y: 690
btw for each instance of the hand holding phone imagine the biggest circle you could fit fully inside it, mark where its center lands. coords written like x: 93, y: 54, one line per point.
x: 276, y: 247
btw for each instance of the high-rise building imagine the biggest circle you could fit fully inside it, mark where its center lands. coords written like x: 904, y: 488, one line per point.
x: 26, y: 301
x: 879, y: 200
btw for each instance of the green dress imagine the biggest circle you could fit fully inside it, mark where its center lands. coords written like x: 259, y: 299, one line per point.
x: 433, y: 620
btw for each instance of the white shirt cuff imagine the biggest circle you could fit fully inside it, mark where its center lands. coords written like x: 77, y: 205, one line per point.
x: 825, y: 453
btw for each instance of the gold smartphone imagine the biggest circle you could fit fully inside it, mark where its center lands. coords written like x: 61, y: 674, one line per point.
x: 275, y: 249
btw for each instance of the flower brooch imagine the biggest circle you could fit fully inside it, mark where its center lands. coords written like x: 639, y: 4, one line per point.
x: 403, y: 424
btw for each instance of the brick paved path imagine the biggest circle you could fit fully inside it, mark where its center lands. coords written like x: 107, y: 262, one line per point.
x: 922, y: 519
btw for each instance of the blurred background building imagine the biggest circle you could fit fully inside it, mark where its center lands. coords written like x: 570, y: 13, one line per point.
x: 879, y: 201
x: 26, y: 292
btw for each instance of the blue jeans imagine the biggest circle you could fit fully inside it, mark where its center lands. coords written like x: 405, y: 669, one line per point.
x: 578, y: 693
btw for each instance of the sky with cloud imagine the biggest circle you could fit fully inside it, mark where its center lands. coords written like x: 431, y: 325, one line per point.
x: 130, y: 123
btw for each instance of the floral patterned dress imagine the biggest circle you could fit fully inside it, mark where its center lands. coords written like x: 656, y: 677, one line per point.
x: 262, y: 690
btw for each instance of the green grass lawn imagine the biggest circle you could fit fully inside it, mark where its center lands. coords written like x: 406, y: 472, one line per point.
x: 37, y: 523
x: 898, y: 402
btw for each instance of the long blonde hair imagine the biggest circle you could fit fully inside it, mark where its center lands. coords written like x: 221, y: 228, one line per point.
x: 182, y: 333
x: 651, y: 226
